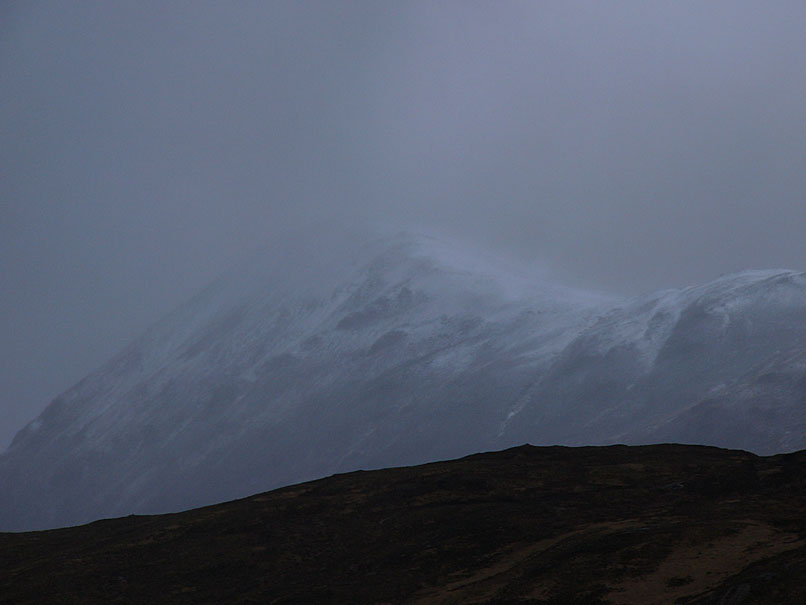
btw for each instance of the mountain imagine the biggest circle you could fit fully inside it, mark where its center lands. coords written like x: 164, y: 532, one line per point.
x: 642, y: 525
x: 396, y: 352
x: 721, y: 364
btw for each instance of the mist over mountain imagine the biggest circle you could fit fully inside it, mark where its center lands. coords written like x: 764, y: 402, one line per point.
x: 399, y: 351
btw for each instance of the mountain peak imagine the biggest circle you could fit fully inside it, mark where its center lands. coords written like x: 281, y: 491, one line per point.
x: 305, y: 361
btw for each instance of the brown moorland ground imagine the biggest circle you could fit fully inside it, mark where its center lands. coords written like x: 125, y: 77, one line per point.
x: 648, y: 524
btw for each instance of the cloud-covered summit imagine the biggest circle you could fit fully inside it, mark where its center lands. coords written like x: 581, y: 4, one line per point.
x: 413, y: 349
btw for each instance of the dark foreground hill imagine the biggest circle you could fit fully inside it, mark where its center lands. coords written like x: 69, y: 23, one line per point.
x: 650, y: 524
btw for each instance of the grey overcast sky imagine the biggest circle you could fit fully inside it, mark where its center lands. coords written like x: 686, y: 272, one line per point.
x: 145, y: 146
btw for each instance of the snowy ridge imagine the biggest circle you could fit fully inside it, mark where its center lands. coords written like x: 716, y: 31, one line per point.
x: 399, y: 351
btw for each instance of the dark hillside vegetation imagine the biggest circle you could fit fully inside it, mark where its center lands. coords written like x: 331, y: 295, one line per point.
x: 648, y: 524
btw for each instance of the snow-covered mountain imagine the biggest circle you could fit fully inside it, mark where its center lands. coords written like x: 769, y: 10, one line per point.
x: 720, y: 364
x: 401, y: 352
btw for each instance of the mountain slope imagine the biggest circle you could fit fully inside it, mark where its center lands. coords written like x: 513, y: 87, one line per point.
x: 644, y: 525
x: 401, y: 352
x: 269, y: 378
x: 721, y: 364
